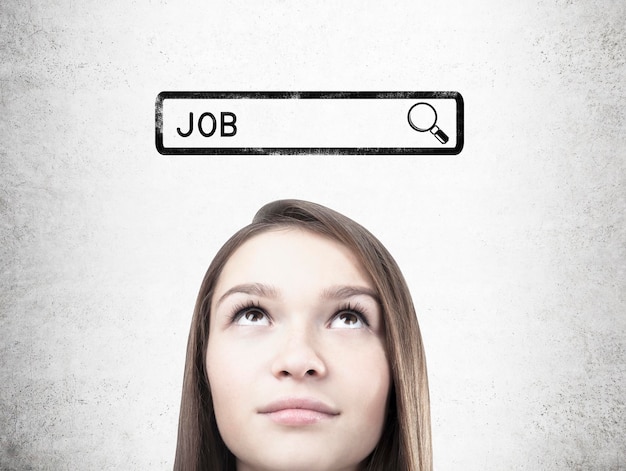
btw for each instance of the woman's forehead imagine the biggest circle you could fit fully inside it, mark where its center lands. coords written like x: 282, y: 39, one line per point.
x: 293, y: 258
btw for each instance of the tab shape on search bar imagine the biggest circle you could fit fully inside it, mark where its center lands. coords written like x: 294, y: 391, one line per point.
x: 252, y: 123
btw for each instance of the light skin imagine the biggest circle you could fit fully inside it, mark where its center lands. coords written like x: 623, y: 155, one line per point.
x: 295, y: 357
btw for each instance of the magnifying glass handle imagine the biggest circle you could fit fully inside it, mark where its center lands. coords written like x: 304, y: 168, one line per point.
x: 439, y: 134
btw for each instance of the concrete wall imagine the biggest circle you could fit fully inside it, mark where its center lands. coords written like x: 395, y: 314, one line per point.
x: 514, y: 250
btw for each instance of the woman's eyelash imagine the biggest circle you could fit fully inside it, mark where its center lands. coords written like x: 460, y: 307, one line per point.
x: 353, y: 308
x: 241, y: 309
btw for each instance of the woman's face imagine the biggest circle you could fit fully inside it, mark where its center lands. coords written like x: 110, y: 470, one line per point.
x: 296, y: 357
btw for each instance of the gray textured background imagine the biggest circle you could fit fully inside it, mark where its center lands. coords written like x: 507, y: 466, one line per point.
x: 514, y: 250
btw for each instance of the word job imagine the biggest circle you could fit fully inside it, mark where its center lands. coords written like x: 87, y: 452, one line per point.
x: 228, y: 126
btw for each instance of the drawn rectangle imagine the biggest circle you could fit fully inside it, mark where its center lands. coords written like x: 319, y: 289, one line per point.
x: 257, y: 123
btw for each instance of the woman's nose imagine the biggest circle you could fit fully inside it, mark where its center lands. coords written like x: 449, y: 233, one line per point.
x: 298, y: 357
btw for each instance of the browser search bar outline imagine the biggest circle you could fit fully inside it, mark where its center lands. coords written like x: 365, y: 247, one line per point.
x: 217, y: 127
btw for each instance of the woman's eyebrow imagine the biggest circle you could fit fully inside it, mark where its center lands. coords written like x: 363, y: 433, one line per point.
x: 268, y: 291
x: 257, y: 289
x: 342, y: 292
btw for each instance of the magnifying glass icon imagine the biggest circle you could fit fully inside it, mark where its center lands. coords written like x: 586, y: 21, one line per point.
x: 423, y: 117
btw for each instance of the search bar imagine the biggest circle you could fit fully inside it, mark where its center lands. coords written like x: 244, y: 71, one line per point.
x: 250, y: 123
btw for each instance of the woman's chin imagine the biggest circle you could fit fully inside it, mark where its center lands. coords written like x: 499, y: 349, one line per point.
x: 296, y: 462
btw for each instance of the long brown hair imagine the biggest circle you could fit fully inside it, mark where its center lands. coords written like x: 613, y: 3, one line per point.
x: 405, y: 443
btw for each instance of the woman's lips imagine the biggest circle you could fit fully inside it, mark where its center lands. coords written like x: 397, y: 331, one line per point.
x: 298, y: 411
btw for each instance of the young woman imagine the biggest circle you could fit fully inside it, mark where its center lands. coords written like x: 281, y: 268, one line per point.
x: 304, y: 353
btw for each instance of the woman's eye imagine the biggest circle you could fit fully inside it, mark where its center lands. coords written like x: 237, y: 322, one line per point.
x: 251, y: 316
x: 347, y: 320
